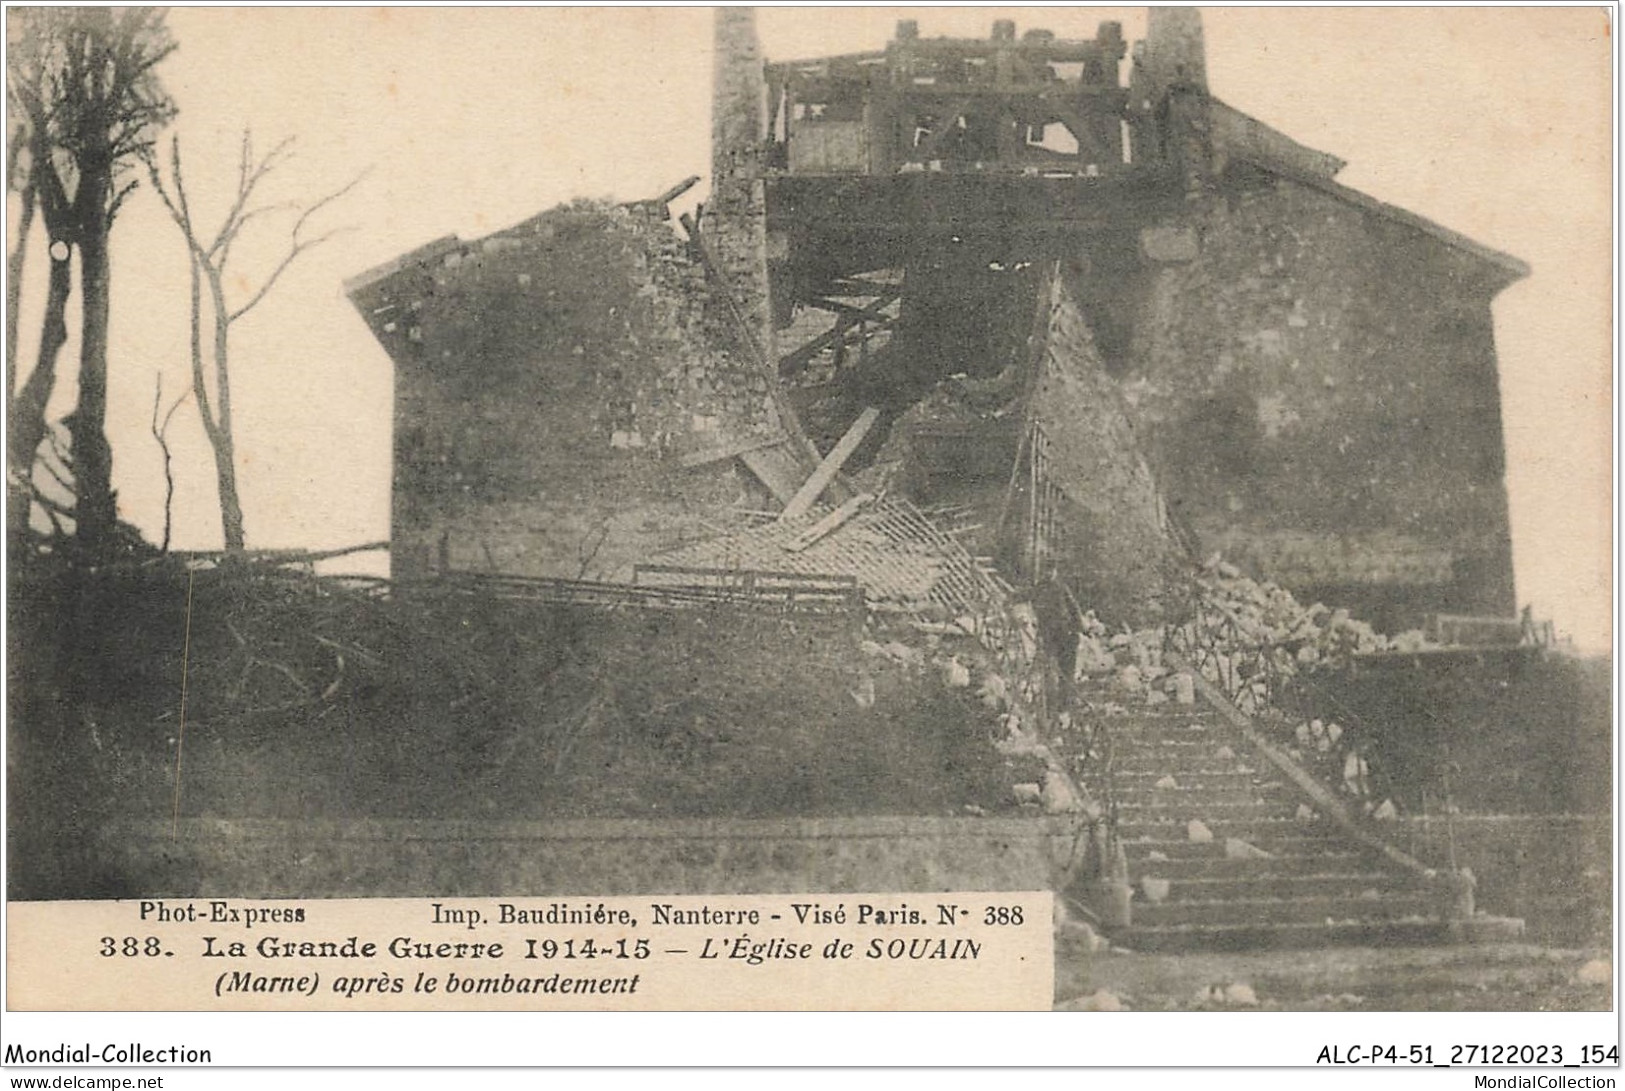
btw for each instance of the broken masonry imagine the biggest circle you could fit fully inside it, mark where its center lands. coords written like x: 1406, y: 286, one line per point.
x: 961, y: 313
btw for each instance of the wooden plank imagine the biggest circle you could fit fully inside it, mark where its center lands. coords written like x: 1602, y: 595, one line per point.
x: 829, y: 523
x: 800, y: 446
x: 777, y: 469
x: 869, y: 311
x: 850, y: 316
x: 947, y: 124
x: 827, y: 469
x: 799, y: 578
x: 731, y: 450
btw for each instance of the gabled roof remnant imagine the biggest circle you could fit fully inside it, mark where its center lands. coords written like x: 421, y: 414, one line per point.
x: 445, y: 244
x: 1240, y: 137
x: 1244, y: 136
x: 1510, y: 268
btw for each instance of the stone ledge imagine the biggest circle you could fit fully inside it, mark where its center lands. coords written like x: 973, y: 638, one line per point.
x: 416, y: 858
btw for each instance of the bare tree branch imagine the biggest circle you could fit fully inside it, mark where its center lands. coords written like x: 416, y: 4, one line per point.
x: 52, y: 509
x: 160, y: 432
x: 95, y: 71
x: 208, y: 264
x: 49, y: 467
x: 299, y: 246
x: 249, y: 176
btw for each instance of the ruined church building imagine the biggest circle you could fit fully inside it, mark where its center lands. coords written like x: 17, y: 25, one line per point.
x: 1081, y: 326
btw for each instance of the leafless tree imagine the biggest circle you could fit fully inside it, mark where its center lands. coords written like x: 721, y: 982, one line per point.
x: 208, y: 258
x: 84, y: 88
x: 32, y: 100
x: 160, y: 432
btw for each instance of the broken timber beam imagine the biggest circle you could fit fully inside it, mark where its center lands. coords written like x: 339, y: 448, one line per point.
x: 829, y: 524
x: 731, y: 450
x: 871, y: 309
x: 830, y: 466
x: 667, y: 197
x: 799, y: 443
x: 793, y: 362
x: 776, y: 468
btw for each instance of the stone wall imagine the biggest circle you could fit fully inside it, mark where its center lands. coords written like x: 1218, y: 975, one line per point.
x: 1112, y: 543
x: 1319, y: 387
x: 1519, y: 730
x: 547, y: 379
x: 1554, y: 871
x: 350, y: 859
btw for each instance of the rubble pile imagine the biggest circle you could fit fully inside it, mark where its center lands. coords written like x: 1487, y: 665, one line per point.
x: 992, y: 660
x: 957, y: 406
x: 1262, y: 648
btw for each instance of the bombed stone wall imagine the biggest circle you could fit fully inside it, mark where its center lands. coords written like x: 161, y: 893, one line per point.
x: 547, y: 379
x: 1318, y: 385
x: 1111, y: 540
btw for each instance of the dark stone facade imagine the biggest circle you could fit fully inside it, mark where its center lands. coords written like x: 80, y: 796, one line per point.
x: 1308, y: 375
x: 1317, y: 391
x: 547, y: 379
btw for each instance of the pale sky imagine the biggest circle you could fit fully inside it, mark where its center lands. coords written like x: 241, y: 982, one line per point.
x: 1491, y: 121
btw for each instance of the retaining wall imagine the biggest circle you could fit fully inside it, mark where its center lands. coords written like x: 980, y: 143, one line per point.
x: 415, y: 858
x: 1554, y: 871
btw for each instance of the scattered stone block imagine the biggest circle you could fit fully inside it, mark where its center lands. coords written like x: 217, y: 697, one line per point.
x: 1237, y: 849
x: 1099, y: 1000
x: 1240, y: 995
x: 1599, y: 971
x: 1058, y: 796
x: 1184, y: 688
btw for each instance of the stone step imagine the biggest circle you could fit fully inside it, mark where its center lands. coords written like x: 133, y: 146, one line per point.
x: 1151, y: 723
x: 1298, y: 935
x: 1159, y: 718
x: 1176, y: 758
x: 1245, y: 825
x: 1311, y: 909
x: 1132, y: 771
x: 1243, y: 785
x: 1264, y: 884
x: 1174, y: 764
x: 1136, y: 771
x: 1279, y: 844
x: 1140, y: 731
x: 1410, y: 932
x: 1210, y: 866
x: 1210, y: 807
x: 1192, y: 787
x: 1196, y: 778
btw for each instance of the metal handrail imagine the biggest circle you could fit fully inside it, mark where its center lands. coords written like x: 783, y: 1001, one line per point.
x: 1230, y: 643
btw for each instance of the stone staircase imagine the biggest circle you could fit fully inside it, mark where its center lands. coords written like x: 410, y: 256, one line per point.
x: 1224, y: 853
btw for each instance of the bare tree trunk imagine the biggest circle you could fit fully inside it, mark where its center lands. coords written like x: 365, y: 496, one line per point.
x: 209, y: 261
x: 14, y: 285
x: 231, y: 508
x: 27, y: 424
x: 92, y: 455
x: 220, y: 435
